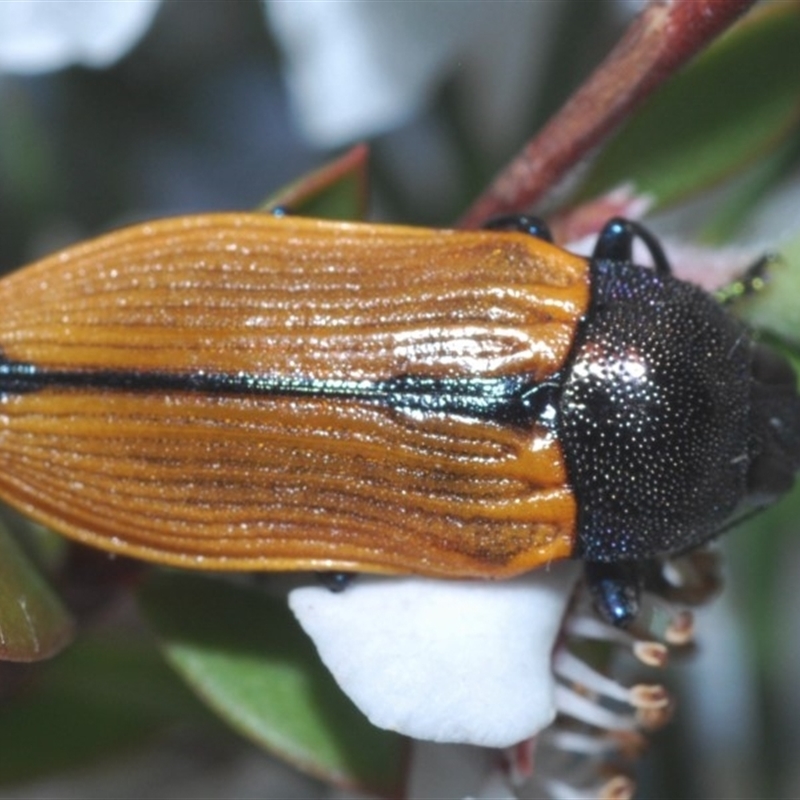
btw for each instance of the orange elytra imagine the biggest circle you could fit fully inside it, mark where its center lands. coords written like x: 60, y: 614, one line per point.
x: 254, y: 392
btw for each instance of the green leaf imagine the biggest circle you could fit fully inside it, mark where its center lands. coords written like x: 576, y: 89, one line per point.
x: 751, y: 188
x: 334, y: 191
x: 756, y: 553
x: 34, y: 624
x: 243, y: 652
x: 96, y: 699
x: 737, y: 102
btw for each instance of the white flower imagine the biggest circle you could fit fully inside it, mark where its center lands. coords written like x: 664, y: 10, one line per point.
x: 356, y: 68
x: 42, y: 35
x: 446, y: 661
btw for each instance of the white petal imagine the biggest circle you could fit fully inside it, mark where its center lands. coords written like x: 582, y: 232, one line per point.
x: 446, y: 661
x: 41, y: 35
x: 359, y: 68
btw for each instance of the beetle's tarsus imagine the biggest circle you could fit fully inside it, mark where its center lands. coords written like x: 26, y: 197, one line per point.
x: 336, y: 581
x: 615, y: 589
x: 524, y: 223
x: 751, y: 282
x: 615, y: 243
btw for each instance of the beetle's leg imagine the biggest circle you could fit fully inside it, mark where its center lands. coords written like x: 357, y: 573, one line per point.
x: 336, y: 581
x: 615, y: 589
x: 523, y: 223
x: 615, y: 243
x: 751, y: 282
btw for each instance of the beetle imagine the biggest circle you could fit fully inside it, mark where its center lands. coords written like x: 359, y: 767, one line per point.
x: 267, y: 392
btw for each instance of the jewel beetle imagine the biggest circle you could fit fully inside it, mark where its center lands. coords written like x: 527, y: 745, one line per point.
x: 259, y: 392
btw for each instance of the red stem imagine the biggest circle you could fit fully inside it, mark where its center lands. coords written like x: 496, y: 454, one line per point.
x: 657, y: 43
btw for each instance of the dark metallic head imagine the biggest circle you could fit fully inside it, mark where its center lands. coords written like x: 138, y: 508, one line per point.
x: 673, y: 420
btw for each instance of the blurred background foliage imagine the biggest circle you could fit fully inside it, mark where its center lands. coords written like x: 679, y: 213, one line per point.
x: 197, y: 117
